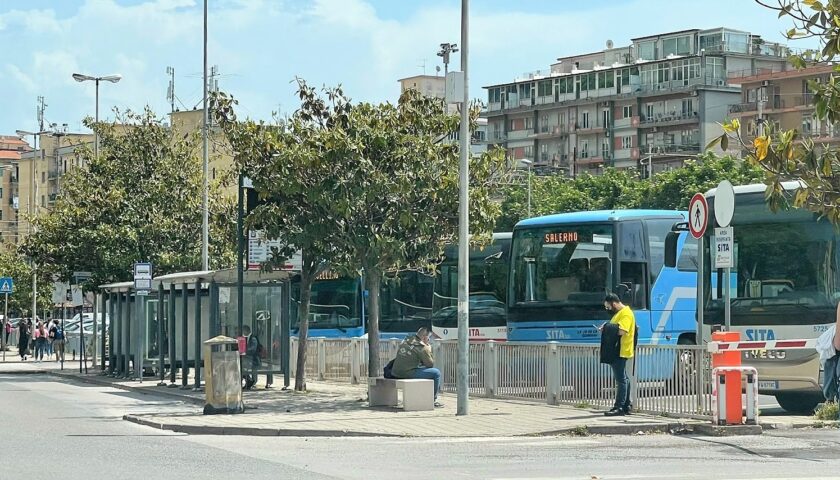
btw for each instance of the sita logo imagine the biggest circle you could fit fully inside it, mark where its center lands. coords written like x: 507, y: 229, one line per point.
x: 556, y: 335
x: 760, y: 334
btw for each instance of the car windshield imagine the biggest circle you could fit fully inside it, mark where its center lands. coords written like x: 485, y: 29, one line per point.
x: 562, y: 265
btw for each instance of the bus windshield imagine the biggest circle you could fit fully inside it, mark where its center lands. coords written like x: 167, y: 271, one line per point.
x: 787, y: 265
x: 405, y: 302
x: 487, y: 286
x: 334, y: 304
x: 562, y: 265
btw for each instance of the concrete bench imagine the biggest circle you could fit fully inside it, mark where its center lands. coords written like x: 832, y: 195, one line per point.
x: 418, y: 394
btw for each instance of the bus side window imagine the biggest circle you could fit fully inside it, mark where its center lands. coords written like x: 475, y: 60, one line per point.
x: 688, y: 256
x: 633, y: 276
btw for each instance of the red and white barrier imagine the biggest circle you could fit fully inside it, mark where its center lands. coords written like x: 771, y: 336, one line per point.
x: 717, y: 347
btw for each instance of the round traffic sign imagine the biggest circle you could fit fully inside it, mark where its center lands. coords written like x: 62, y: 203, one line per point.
x: 698, y: 215
x: 724, y: 203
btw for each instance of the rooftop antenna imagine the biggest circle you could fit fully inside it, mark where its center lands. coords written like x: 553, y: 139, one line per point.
x: 170, y: 92
x: 423, y: 65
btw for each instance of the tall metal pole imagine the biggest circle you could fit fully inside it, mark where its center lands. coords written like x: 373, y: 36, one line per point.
x: 205, y: 216
x: 5, y: 321
x: 698, y: 339
x: 529, y: 190
x: 240, y: 254
x: 463, y: 375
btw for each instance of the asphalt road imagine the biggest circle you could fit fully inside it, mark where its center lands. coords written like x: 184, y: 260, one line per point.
x: 52, y: 429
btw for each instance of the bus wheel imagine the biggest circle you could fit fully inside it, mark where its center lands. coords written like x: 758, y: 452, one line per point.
x: 799, y: 402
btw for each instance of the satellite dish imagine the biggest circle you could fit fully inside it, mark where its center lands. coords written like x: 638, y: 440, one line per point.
x: 437, y: 68
x: 610, y: 44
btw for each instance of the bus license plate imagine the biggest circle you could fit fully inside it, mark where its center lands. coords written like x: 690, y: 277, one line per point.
x: 768, y: 385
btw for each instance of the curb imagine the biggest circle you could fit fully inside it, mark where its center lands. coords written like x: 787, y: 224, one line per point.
x: 650, y: 428
x: 249, y: 431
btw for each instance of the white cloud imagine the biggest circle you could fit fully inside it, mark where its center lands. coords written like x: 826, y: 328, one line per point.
x: 261, y: 45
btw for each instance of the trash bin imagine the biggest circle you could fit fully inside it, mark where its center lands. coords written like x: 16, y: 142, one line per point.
x: 223, y: 379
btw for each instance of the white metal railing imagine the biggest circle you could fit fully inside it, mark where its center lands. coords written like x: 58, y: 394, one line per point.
x: 665, y: 379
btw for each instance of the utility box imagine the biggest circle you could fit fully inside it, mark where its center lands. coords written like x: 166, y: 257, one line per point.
x: 223, y: 377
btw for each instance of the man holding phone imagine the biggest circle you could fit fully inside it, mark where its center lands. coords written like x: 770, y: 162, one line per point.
x: 626, y: 322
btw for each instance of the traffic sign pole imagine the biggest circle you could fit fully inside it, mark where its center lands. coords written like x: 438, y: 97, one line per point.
x: 5, y: 321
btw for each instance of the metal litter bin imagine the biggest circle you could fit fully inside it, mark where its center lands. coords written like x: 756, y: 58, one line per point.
x: 223, y: 378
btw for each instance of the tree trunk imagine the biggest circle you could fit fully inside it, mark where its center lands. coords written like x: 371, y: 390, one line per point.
x: 373, y: 282
x: 303, y: 322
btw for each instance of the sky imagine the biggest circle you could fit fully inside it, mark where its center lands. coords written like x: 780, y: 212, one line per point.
x: 260, y: 46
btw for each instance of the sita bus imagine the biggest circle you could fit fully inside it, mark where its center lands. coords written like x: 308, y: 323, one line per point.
x: 563, y: 265
x: 785, y: 285
x: 338, y: 306
x: 487, y: 292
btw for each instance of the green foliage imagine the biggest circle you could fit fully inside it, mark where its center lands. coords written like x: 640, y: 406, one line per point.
x: 827, y: 411
x: 787, y: 155
x: 622, y: 189
x: 139, y: 201
x: 367, y: 188
x: 12, y: 264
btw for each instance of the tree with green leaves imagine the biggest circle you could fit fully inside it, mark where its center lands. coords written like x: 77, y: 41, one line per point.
x: 786, y: 154
x: 364, y: 189
x: 622, y: 189
x: 295, y: 180
x: 398, y: 190
x: 140, y: 200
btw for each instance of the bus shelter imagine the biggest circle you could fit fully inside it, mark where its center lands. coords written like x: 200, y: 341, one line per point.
x: 162, y: 332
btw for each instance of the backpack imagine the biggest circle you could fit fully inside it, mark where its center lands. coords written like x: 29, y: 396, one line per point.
x: 389, y: 369
x: 831, y: 379
x: 59, y: 333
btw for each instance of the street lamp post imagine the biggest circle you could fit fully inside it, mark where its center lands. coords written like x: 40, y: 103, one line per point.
x: 463, y: 370
x: 84, y: 78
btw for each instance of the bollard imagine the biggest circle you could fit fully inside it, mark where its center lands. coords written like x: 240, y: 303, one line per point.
x: 355, y: 360
x: 491, y: 368
x: 723, y: 388
x: 733, y: 377
x: 552, y: 374
x: 321, y: 349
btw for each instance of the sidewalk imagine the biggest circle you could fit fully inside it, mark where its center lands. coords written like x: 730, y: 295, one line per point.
x: 332, y: 409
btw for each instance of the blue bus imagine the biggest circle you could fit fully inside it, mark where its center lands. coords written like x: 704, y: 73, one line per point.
x: 338, y: 305
x: 563, y: 265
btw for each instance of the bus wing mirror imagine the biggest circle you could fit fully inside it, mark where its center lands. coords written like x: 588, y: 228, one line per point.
x: 671, y: 240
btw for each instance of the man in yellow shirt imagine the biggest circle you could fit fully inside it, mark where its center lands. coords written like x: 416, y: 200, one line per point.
x: 623, y: 317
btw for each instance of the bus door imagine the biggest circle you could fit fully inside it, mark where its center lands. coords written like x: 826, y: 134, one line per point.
x: 633, y: 274
x: 674, y: 296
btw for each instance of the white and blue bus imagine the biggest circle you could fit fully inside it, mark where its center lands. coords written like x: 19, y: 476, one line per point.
x: 338, y: 306
x: 563, y: 265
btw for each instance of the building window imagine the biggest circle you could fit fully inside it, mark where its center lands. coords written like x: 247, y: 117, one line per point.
x: 687, y: 107
x: 606, y: 79
x: 529, y: 123
x: 627, y: 142
x: 647, y: 50
x: 676, y: 46
x: 584, y: 149
x: 43, y: 201
x: 584, y: 120
x: 714, y: 68
x: 529, y: 152
x: 544, y: 88
x: 628, y: 111
x: 1, y: 193
x: 544, y: 153
x: 649, y: 111
x: 494, y: 95
x: 605, y: 148
x: 43, y: 177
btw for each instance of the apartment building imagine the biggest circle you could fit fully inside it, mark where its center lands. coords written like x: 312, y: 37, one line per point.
x: 11, y: 148
x: 782, y: 99
x: 652, y: 104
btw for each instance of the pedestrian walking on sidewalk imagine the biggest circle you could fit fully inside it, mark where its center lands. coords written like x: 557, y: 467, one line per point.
x: 23, y: 338
x: 40, y: 336
x: 8, y: 330
x: 622, y: 325
x: 252, y: 357
x: 57, y: 338
x: 415, y: 360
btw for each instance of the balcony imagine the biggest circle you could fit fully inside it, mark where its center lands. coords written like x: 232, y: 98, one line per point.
x: 550, y: 131
x: 589, y: 129
x: 743, y: 107
x: 586, y: 160
x: 520, y: 134
x: 668, y: 119
x: 673, y: 149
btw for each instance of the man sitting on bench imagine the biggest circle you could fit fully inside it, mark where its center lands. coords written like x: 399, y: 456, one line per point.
x: 415, y: 360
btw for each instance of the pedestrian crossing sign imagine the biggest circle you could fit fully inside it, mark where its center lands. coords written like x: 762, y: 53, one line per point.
x: 7, y: 285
